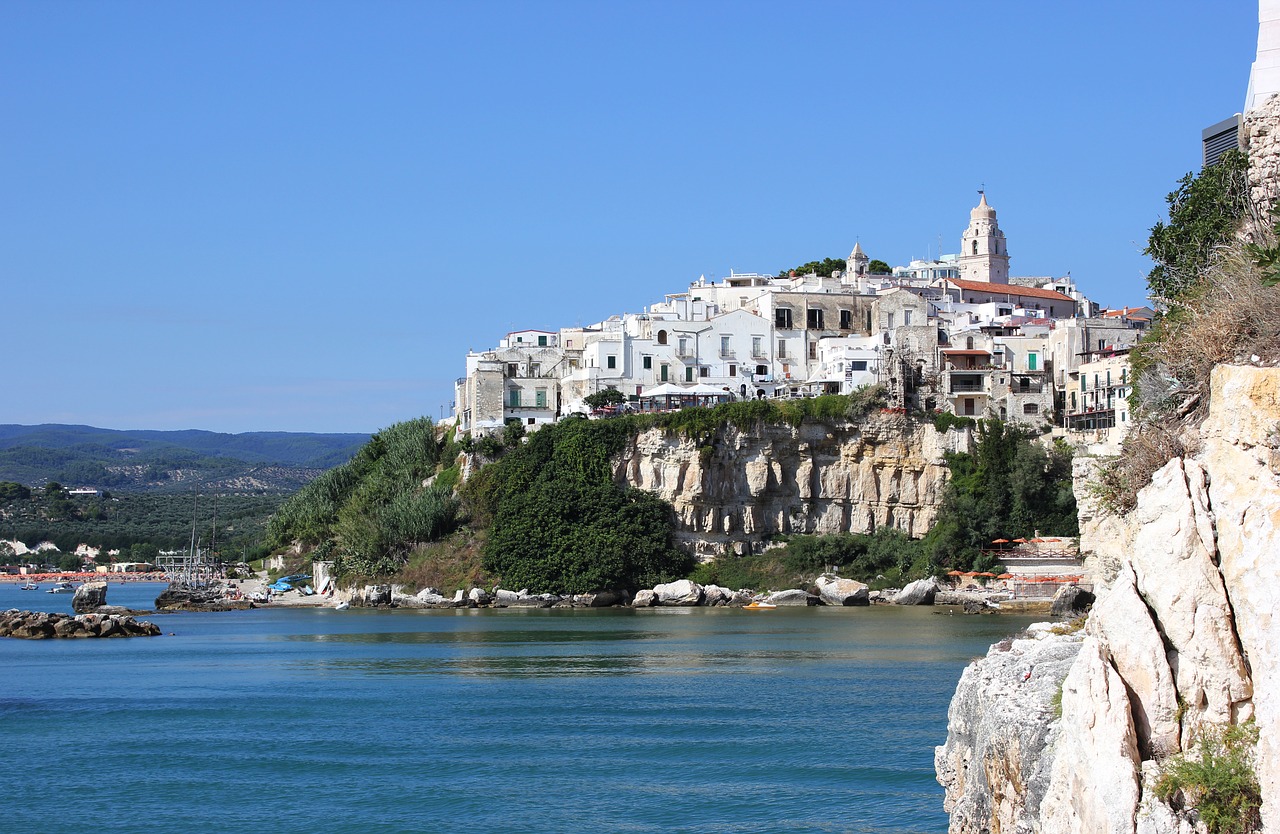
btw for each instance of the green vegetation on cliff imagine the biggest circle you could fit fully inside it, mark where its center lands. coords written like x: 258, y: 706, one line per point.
x: 558, y: 522
x: 369, y: 513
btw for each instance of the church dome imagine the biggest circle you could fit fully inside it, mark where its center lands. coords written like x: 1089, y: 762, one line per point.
x: 982, y: 211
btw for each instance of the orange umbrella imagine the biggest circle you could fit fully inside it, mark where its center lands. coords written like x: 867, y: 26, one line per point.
x: 1037, y: 541
x: 1005, y: 576
x: 999, y: 541
x: 970, y: 573
x: 955, y: 573
x: 1019, y: 541
x: 984, y: 573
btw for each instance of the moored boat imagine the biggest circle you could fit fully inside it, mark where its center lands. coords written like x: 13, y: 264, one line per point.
x: 63, y: 587
x: 29, y: 586
x: 758, y: 606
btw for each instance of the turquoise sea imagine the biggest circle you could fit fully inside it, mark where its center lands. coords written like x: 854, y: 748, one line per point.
x: 314, y: 720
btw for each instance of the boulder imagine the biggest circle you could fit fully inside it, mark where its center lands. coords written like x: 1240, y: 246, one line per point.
x: 182, y: 597
x: 1071, y: 600
x: 599, y: 599
x: 429, y: 596
x: 920, y: 592
x: 377, y: 595
x: 502, y: 597
x: 835, y: 590
x: 479, y: 596
x: 644, y: 599
x: 88, y: 597
x: 794, y: 597
x: 715, y: 595
x: 682, y: 592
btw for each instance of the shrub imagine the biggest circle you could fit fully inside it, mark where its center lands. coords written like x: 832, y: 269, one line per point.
x: 1218, y: 781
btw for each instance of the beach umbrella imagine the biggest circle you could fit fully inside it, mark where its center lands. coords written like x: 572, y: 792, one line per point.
x: 986, y: 573
x: 1037, y: 541
x: 1005, y: 576
x: 955, y: 573
x: 999, y: 541
x: 1019, y: 541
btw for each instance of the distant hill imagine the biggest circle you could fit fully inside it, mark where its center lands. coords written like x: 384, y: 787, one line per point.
x: 142, y: 460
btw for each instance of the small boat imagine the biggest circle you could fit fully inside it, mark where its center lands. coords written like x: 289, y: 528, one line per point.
x: 29, y: 586
x: 63, y: 587
x: 758, y: 606
x: 342, y: 606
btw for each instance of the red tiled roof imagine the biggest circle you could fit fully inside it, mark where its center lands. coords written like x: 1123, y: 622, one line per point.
x: 1010, y: 289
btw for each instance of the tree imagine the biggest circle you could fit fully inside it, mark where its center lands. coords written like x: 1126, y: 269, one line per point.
x: 1204, y: 212
x: 879, y: 267
x: 607, y: 397
x: 69, y: 562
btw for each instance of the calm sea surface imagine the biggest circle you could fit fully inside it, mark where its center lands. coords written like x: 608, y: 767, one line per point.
x: 314, y: 720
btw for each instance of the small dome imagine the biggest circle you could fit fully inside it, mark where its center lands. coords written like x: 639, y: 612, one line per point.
x: 982, y: 210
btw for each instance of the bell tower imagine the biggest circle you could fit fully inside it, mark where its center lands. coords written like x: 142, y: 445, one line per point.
x: 984, y: 254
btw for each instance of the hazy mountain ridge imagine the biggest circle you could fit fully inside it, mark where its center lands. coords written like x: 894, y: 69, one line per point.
x: 148, y: 460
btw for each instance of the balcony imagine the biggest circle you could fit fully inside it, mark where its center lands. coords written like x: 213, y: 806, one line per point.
x: 967, y: 388
x: 727, y: 353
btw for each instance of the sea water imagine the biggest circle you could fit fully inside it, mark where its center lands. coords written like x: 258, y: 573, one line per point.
x: 617, y: 720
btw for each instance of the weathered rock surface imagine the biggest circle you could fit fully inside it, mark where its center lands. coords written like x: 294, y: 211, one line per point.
x: 682, y: 592
x: 1071, y: 600
x: 41, y: 625
x: 88, y: 597
x: 1093, y: 784
x: 834, y: 477
x: 999, y: 724
x: 179, y: 597
x: 793, y: 597
x: 644, y: 599
x: 919, y: 592
x: 833, y: 590
x: 1185, y: 635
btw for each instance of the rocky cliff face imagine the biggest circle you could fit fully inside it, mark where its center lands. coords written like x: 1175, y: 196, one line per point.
x: 738, y: 488
x: 1185, y: 637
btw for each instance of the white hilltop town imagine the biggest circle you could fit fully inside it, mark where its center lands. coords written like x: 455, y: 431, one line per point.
x: 957, y: 334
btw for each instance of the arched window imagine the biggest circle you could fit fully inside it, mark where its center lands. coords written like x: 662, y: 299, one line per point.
x: 968, y: 343
x: 975, y: 247
x: 662, y: 337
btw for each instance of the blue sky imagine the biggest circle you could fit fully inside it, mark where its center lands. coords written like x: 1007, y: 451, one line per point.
x: 300, y: 215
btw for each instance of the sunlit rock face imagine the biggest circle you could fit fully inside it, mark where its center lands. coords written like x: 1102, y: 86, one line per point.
x: 739, y: 487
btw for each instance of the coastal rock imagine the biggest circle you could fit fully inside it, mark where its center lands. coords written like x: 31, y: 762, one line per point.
x: 834, y: 590
x: 1121, y: 619
x: 182, y: 597
x: 599, y: 599
x: 430, y: 596
x: 479, y: 596
x: 995, y: 765
x: 88, y: 597
x: 920, y: 592
x: 644, y: 599
x: 682, y: 592
x: 39, y: 625
x: 377, y: 595
x: 848, y: 477
x: 534, y: 601
x: 793, y: 597
x: 503, y: 597
x: 1093, y: 786
x: 1071, y: 600
x: 1176, y: 538
x: 715, y: 595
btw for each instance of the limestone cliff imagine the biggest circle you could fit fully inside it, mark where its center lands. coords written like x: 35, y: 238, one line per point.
x: 737, y: 488
x: 1185, y: 636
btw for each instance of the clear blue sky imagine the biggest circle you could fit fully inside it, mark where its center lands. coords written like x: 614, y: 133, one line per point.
x: 299, y: 216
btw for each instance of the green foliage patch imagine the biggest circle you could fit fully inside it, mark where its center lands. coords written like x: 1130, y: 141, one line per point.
x: 370, y: 512
x: 1218, y: 781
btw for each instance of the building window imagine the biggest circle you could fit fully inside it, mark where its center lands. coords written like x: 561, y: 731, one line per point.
x: 704, y: 371
x: 889, y: 324
x: 975, y: 247
x: 814, y: 319
x: 762, y: 370
x: 782, y: 348
x: 513, y: 398
x: 757, y: 346
x: 535, y: 369
x: 733, y: 370
x: 664, y: 371
x: 725, y: 350
x: 648, y: 363
x: 813, y: 350
x: 846, y: 319
x: 688, y: 374
x: 542, y: 341
x: 662, y: 337
x: 968, y: 343
x: 906, y: 318
x: 858, y: 365
x: 540, y: 398
x: 782, y: 318
x: 513, y: 369
x: 611, y: 361
x: 683, y: 347
x: 1030, y: 408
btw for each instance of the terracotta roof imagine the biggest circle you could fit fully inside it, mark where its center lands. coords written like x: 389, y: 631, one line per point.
x: 1010, y: 289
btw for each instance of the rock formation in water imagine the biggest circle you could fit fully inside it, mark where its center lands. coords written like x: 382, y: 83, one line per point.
x: 1185, y: 637
x: 42, y: 625
x: 738, y: 488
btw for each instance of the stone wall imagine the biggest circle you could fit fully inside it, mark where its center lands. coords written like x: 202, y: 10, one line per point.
x: 737, y: 489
